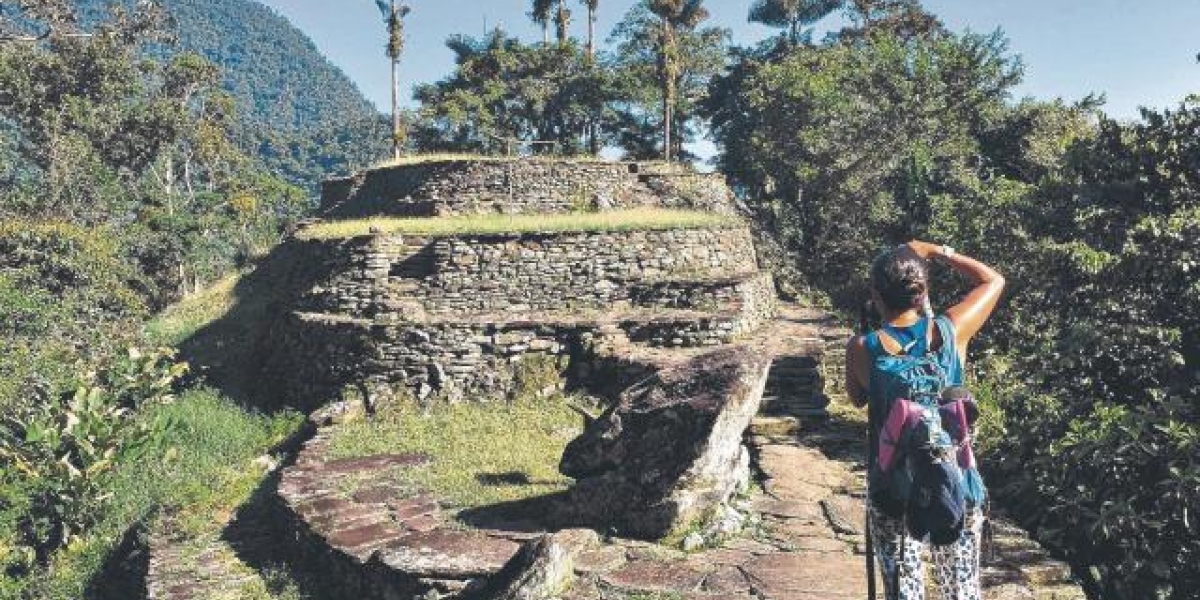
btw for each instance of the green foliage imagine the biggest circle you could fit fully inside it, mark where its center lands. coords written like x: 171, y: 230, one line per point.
x: 560, y: 93
x: 792, y: 15
x: 1115, y: 342
x: 67, y: 297
x: 63, y: 452
x: 202, y: 468
x: 502, y: 88
x: 299, y: 116
x: 884, y: 130
x: 107, y: 136
x: 1089, y: 368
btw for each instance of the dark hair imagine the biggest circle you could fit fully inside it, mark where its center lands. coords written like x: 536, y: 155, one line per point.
x: 901, y: 278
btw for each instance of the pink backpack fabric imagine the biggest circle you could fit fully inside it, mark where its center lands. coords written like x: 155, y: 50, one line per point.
x: 903, y: 416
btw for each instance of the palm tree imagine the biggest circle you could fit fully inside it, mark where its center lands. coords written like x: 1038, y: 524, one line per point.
x: 592, y: 7
x: 792, y: 15
x: 676, y: 16
x: 562, y: 22
x: 393, y: 16
x: 541, y: 15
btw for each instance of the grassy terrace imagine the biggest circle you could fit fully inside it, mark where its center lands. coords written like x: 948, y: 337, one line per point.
x: 637, y: 219
x: 420, y: 159
x: 482, y: 453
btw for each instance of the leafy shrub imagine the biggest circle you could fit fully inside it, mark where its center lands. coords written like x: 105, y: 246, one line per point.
x: 63, y: 452
x: 67, y: 298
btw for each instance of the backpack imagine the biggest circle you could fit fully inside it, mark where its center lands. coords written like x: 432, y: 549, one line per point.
x: 919, y: 471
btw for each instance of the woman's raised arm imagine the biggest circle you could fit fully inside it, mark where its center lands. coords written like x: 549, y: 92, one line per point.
x: 973, y: 310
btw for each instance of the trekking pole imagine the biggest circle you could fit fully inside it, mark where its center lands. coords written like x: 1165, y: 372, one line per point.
x: 864, y: 327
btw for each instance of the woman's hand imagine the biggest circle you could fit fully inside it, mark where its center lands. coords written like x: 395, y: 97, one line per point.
x: 924, y: 250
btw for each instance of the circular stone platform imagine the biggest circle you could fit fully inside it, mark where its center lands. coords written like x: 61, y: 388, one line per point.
x: 427, y: 188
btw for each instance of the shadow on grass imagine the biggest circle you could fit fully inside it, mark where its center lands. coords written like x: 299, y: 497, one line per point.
x: 231, y: 352
x: 538, y: 514
x: 257, y: 533
x: 123, y: 575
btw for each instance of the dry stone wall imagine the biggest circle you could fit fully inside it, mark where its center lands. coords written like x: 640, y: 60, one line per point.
x: 392, y: 277
x: 519, y: 186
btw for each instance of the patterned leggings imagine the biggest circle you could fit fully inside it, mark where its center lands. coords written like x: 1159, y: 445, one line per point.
x: 955, y: 566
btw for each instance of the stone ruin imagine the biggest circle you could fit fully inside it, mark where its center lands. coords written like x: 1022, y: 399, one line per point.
x: 708, y: 378
x: 451, y: 315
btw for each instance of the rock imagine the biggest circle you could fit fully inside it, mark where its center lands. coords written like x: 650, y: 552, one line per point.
x: 267, y: 463
x: 806, y: 575
x: 693, y: 541
x: 671, y: 449
x: 343, y: 411
x: 600, y: 560
x: 727, y: 521
x: 447, y: 554
x: 543, y: 569
x: 647, y: 578
x: 845, y: 514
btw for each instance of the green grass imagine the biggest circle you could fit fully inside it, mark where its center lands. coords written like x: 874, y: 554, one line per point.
x: 181, y: 321
x: 420, y: 159
x: 617, y: 220
x: 470, y: 442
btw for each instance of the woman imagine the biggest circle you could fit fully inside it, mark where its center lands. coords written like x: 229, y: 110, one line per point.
x: 900, y: 293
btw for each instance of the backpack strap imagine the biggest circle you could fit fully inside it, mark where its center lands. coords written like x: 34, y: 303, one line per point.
x: 877, y: 338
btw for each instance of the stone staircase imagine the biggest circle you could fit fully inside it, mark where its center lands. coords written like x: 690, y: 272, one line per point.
x: 795, y: 387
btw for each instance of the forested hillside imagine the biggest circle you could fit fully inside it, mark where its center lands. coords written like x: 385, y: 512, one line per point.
x: 297, y: 112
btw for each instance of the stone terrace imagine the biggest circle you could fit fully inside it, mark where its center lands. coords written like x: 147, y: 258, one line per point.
x: 522, y: 186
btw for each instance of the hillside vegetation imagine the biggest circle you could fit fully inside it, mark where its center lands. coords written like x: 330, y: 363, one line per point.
x: 297, y: 113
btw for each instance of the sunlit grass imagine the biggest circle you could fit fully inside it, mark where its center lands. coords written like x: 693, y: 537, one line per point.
x: 617, y: 220
x: 182, y: 320
x: 419, y: 159
x: 482, y: 454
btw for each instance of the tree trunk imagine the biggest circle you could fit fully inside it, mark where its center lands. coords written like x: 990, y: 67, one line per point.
x: 395, y: 110
x: 561, y: 22
x: 668, y: 59
x: 395, y: 95
x: 591, y: 33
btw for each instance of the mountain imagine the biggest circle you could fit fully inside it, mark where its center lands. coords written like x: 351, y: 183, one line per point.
x: 301, y: 115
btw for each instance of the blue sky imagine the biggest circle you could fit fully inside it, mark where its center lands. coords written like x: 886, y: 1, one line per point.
x: 1137, y: 52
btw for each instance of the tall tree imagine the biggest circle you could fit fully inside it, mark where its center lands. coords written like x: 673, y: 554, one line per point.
x: 637, y: 63
x: 792, y: 15
x: 502, y: 87
x: 393, y: 16
x: 905, y: 19
x: 562, y: 22
x: 592, y: 7
x: 675, y: 16
x: 540, y: 14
